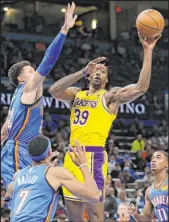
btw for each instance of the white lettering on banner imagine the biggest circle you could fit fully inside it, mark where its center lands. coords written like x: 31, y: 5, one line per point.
x: 49, y: 102
x: 56, y: 103
x: 121, y: 108
x: 133, y: 108
x: 9, y: 98
x: 140, y: 108
x: 3, y: 99
x: 6, y: 98
x: 130, y: 108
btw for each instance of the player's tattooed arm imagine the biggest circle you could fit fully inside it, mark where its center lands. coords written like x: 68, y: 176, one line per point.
x: 62, y: 89
x: 131, y: 92
x: 147, y: 215
x: 4, y: 131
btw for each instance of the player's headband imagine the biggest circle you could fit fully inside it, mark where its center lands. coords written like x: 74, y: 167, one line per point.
x: 43, y: 155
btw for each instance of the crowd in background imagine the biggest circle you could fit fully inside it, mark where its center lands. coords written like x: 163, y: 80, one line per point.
x: 130, y: 146
x: 124, y: 58
x: 129, y: 149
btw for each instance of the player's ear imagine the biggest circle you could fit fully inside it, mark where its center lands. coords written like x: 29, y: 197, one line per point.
x: 167, y: 165
x: 50, y: 152
x: 20, y: 78
x: 107, y: 80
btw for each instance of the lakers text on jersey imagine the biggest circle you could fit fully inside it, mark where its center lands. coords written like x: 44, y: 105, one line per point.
x: 90, y: 119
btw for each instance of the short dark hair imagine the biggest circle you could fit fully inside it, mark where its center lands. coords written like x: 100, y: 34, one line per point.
x: 15, y: 71
x: 162, y: 151
x: 38, y: 145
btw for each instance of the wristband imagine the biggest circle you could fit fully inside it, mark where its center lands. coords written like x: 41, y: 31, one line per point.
x: 84, y: 73
x: 85, y: 164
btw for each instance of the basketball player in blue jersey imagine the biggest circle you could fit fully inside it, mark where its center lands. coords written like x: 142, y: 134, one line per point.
x: 156, y: 197
x: 24, y: 120
x: 34, y: 190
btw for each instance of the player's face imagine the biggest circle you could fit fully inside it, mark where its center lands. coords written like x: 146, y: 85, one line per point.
x: 159, y: 162
x: 26, y: 74
x: 99, y: 76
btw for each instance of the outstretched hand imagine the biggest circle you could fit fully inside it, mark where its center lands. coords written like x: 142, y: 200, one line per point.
x: 78, y: 155
x: 69, y: 19
x: 132, y: 210
x: 53, y: 159
x: 148, y: 43
x: 92, y: 64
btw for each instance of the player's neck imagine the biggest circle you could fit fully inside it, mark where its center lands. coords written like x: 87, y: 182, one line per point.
x: 159, y: 177
x: 40, y: 163
x: 93, y: 90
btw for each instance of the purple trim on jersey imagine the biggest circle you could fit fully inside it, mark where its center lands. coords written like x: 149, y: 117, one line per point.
x: 92, y: 149
x: 97, y: 172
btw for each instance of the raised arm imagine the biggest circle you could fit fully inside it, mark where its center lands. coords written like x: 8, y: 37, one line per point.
x: 4, y: 131
x: 50, y: 58
x: 133, y: 91
x: 62, y: 90
x: 87, y: 191
x: 146, y: 216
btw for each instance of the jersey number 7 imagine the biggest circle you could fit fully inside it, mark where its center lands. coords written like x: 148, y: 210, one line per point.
x: 22, y: 195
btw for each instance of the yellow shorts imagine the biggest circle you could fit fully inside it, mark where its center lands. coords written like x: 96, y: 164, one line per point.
x: 98, y: 165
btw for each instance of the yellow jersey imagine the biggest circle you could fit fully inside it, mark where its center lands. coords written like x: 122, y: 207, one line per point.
x: 90, y: 120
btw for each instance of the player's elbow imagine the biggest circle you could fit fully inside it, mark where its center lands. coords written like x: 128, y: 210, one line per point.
x: 142, y: 89
x: 10, y: 189
x: 53, y: 91
x: 95, y: 197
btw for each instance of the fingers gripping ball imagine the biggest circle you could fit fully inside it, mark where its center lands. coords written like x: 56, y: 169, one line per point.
x: 150, y: 23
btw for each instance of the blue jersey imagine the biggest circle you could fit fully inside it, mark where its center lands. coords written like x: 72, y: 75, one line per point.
x: 25, y: 121
x: 159, y: 200
x: 33, y: 198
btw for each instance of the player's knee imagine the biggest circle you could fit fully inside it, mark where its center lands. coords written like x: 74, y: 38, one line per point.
x: 75, y: 211
x: 95, y: 215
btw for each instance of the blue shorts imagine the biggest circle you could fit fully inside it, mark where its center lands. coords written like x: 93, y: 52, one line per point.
x: 14, y: 157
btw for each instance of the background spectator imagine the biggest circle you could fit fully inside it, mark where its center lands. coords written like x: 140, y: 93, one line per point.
x: 138, y: 144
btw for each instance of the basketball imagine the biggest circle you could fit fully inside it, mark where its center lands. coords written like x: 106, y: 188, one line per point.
x: 150, y: 23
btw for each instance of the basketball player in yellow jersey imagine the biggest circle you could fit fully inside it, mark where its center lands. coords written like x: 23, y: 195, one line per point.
x: 92, y: 114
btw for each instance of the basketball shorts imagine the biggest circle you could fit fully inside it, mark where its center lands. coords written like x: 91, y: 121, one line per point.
x: 98, y: 164
x: 14, y: 156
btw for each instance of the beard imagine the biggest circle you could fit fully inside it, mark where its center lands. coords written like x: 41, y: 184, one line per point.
x: 96, y: 84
